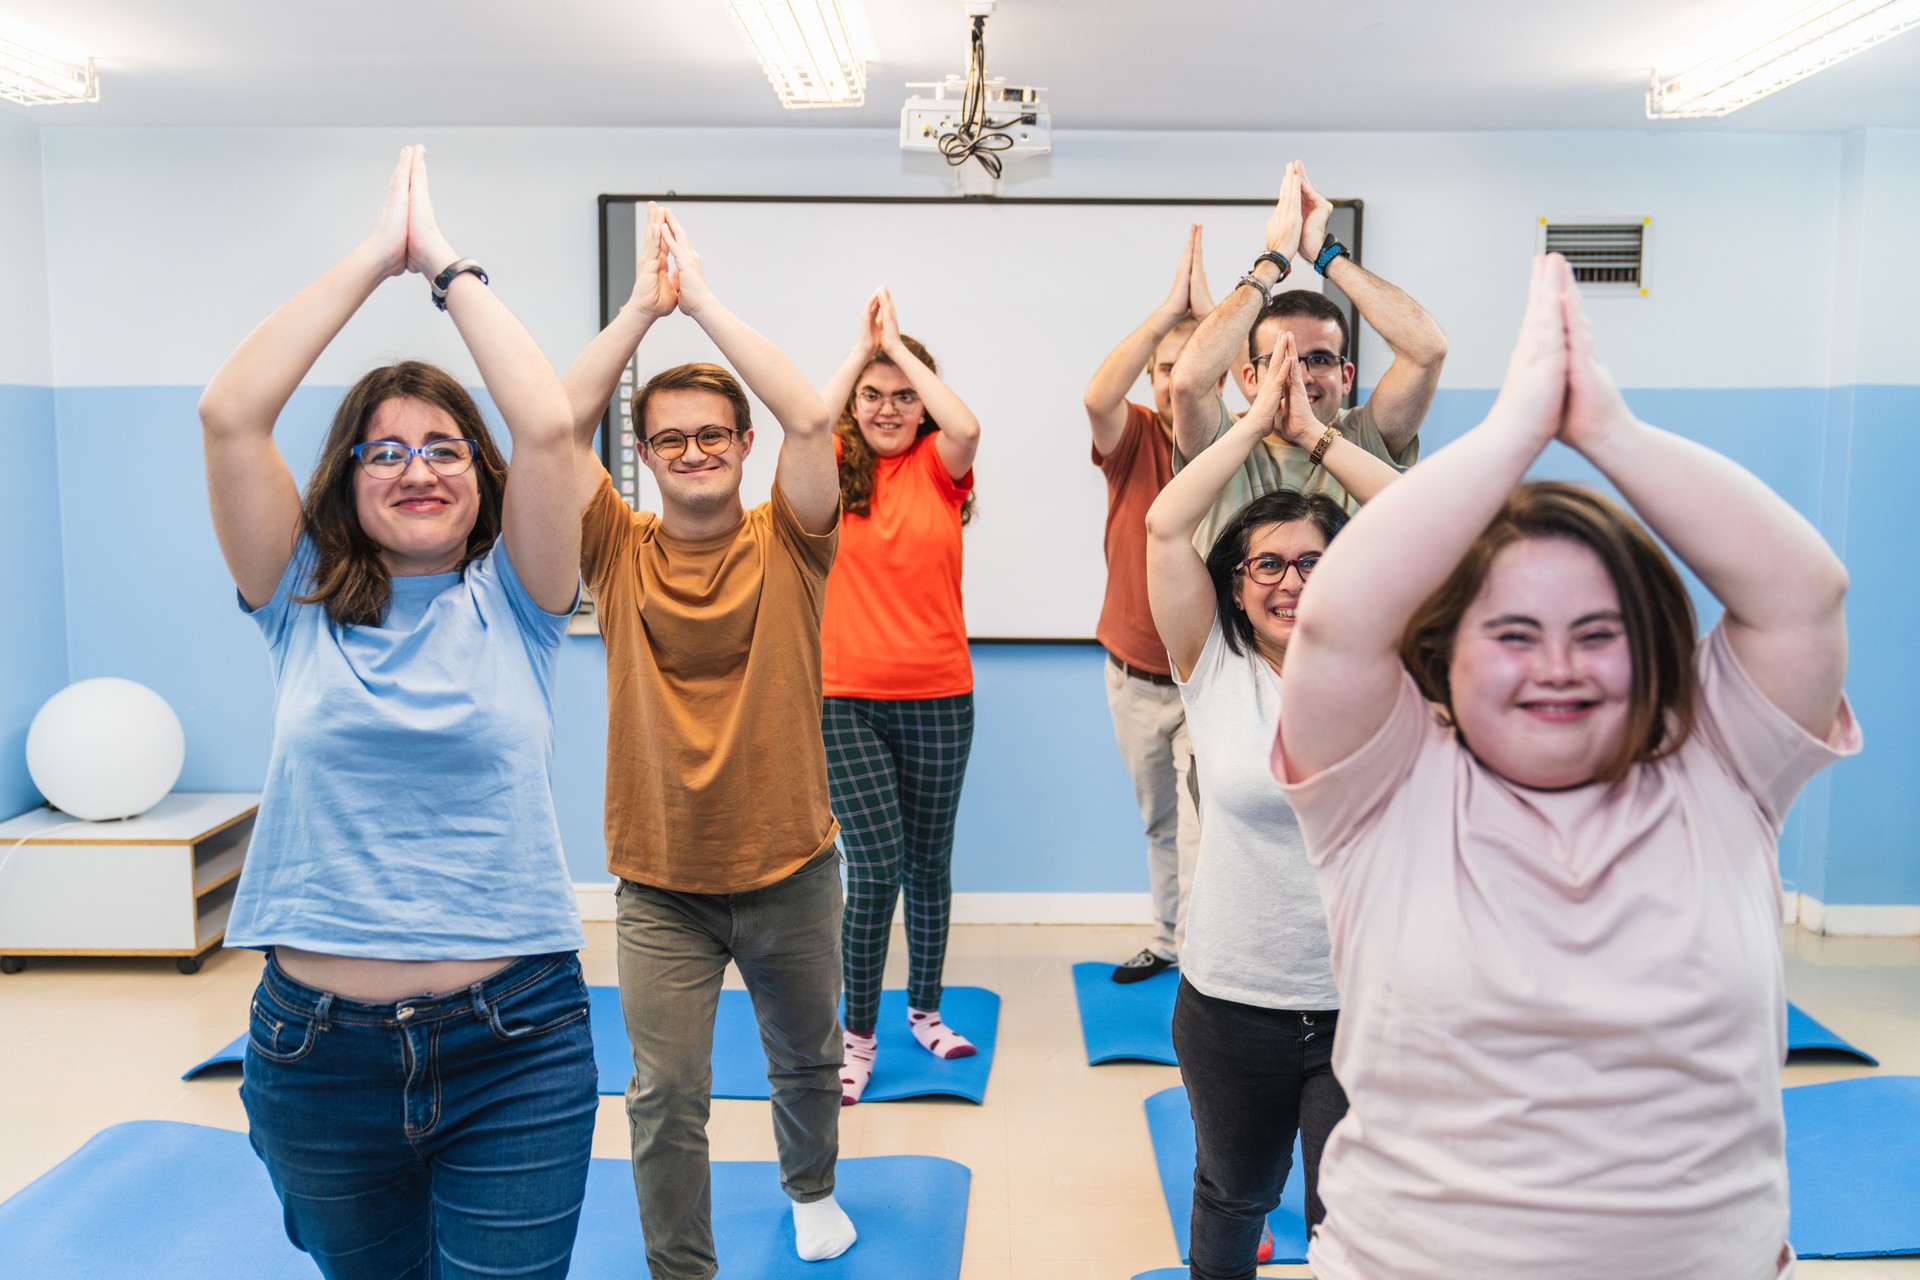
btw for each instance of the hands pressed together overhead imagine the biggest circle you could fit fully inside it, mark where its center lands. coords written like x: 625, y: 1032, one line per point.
x: 405, y: 235
x: 1298, y: 224
x: 669, y: 274
x: 1188, y: 296
x: 1281, y: 404
x: 1555, y: 386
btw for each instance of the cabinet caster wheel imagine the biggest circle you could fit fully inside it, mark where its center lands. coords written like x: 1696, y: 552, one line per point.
x: 11, y: 964
x: 188, y: 964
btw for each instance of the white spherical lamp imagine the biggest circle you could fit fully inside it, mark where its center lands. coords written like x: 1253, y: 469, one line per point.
x: 105, y: 748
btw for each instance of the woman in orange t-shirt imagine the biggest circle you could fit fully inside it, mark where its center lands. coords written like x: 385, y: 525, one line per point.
x: 898, y: 679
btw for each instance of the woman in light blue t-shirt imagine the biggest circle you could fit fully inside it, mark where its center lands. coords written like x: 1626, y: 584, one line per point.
x: 419, y: 1074
x: 1254, y: 1020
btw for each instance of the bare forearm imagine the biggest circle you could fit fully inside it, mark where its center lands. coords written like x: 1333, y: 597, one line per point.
x: 596, y: 371
x: 1185, y: 500
x: 764, y: 368
x: 957, y: 422
x: 524, y: 387
x: 1108, y: 389
x: 1742, y: 539
x: 839, y: 389
x: 1359, y: 472
x: 1403, y: 323
x: 247, y: 393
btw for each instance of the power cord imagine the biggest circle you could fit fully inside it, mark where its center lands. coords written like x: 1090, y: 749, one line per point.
x: 975, y: 137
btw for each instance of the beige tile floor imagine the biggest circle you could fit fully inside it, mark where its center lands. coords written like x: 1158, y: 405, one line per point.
x: 1063, y: 1180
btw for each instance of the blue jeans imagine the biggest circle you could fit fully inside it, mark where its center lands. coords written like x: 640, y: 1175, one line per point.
x: 441, y: 1136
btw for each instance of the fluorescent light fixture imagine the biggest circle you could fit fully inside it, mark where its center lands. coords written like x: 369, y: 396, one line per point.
x: 37, y: 79
x: 806, y: 49
x: 1812, y: 39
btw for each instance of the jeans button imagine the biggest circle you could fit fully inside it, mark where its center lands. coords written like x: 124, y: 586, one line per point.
x: 405, y: 1013
x: 1306, y: 1019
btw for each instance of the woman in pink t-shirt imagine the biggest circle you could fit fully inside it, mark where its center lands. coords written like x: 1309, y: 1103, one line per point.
x: 1545, y: 823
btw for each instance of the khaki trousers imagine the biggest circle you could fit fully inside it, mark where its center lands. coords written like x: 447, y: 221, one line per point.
x: 1150, y: 726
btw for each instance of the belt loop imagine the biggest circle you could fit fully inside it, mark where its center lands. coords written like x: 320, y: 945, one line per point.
x: 321, y: 1010
x: 478, y: 991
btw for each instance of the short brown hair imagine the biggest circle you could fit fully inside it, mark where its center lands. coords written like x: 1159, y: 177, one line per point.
x: 1301, y: 302
x: 699, y: 376
x: 351, y: 579
x: 1655, y: 611
x: 856, y: 459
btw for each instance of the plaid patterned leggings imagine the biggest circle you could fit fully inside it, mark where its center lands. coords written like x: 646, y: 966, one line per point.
x: 895, y: 770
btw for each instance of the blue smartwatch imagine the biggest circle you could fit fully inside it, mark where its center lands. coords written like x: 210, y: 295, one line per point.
x: 1328, y: 252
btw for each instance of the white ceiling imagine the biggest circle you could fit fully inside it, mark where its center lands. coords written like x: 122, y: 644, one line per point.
x: 1365, y: 65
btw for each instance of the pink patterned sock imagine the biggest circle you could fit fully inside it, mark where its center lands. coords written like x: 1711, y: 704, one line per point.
x: 857, y: 1068
x: 936, y: 1037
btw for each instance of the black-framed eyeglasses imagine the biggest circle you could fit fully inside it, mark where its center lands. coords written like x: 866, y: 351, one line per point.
x: 1271, y: 570
x: 713, y: 441
x: 902, y: 400
x: 1317, y: 361
x: 388, y: 459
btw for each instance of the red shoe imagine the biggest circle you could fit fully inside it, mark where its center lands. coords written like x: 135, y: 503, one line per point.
x: 1265, y: 1252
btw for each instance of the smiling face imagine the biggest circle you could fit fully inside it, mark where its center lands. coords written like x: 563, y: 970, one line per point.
x: 1271, y: 608
x: 1313, y: 338
x: 420, y: 519
x: 1541, y: 673
x: 695, y: 483
x: 887, y: 410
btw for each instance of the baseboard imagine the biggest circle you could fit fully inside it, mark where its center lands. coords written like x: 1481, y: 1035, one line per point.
x: 1851, y: 920
x: 596, y: 903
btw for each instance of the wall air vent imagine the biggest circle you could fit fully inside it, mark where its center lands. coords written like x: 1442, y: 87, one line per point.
x: 1608, y: 255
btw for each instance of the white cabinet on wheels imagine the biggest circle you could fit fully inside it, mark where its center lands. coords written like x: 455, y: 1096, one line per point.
x: 160, y: 884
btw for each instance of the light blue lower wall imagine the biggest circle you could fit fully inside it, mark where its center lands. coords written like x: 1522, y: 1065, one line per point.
x: 33, y: 650
x: 1047, y: 807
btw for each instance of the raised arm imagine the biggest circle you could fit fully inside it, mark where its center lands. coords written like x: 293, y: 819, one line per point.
x: 596, y: 370
x: 807, y: 473
x: 540, y: 513
x: 256, y: 505
x: 866, y: 345
x: 1179, y: 589
x: 1343, y: 667
x: 959, y: 438
x: 1106, y: 395
x: 1222, y: 336
x: 1401, y: 398
x: 1782, y: 586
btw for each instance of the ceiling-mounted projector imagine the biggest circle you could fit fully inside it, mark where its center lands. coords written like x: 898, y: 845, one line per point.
x: 1016, y: 111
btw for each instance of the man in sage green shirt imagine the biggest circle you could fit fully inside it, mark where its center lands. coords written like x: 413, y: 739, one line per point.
x: 1256, y: 314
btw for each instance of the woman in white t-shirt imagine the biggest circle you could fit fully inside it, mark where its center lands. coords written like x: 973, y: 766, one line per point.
x: 1253, y: 1023
x: 1545, y: 824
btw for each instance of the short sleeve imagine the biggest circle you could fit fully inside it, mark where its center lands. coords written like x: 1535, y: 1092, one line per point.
x: 1118, y: 462
x: 1358, y: 426
x: 1770, y: 755
x: 1339, y: 804
x: 1220, y: 428
x: 1206, y: 667
x: 495, y: 571
x: 812, y: 551
x: 273, y: 616
x: 605, y: 529
x: 928, y: 457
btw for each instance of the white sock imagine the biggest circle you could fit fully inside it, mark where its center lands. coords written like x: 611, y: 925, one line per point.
x: 822, y: 1230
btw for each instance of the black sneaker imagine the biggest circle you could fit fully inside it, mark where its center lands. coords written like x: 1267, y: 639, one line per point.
x: 1140, y: 968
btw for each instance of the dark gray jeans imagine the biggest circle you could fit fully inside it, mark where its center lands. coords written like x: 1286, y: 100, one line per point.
x: 1254, y: 1076
x: 673, y: 953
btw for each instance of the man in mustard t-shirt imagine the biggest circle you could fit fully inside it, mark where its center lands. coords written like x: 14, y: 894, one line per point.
x: 718, y: 822
x: 1254, y: 315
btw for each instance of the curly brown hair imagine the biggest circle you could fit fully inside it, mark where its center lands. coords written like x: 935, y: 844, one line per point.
x: 856, y: 459
x: 351, y: 579
x: 1655, y: 612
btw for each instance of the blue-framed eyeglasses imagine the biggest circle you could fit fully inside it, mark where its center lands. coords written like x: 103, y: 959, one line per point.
x: 387, y: 459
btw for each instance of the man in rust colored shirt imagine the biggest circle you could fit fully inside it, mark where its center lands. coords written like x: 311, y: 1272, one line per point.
x: 718, y: 821
x: 1133, y: 445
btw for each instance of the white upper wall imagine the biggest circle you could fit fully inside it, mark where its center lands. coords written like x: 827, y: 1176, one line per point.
x: 26, y: 351
x: 1877, y: 261
x: 168, y: 245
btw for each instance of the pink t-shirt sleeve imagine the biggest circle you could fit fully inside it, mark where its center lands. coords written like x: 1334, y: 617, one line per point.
x: 1770, y: 755
x: 1340, y: 804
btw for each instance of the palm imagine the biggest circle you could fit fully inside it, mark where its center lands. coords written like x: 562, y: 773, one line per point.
x: 389, y: 237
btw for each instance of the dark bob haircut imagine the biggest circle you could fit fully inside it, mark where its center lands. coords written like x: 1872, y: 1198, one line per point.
x: 1282, y: 506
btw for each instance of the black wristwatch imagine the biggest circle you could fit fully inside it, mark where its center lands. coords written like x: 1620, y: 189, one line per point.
x: 445, y: 279
x: 1278, y: 259
x: 1328, y: 252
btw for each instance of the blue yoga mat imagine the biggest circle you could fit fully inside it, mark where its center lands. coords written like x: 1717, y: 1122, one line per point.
x: 1170, y: 1125
x: 901, y: 1070
x: 1121, y: 1022
x: 1853, y: 1166
x: 1812, y: 1040
x: 156, y: 1200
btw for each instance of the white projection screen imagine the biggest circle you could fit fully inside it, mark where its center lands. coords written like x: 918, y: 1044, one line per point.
x: 1019, y: 300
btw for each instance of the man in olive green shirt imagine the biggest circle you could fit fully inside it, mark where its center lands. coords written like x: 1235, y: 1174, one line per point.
x: 1387, y: 425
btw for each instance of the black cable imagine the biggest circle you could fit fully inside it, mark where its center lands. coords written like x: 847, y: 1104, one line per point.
x: 975, y: 137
